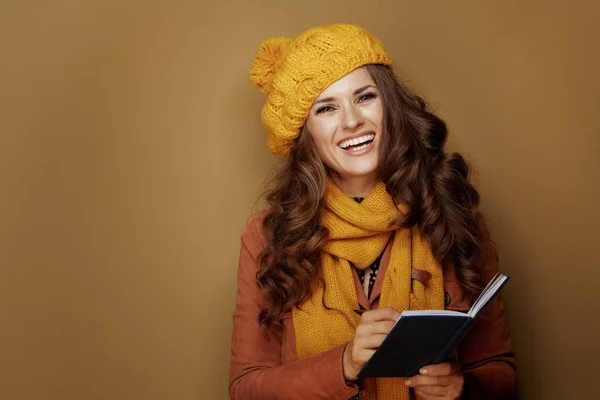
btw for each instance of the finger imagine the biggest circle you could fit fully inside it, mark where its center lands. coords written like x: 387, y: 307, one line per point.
x: 446, y: 392
x: 381, y: 327
x: 369, y: 341
x: 373, y: 328
x: 381, y: 314
x: 422, y: 380
x: 362, y: 356
x: 367, y: 328
x: 447, y: 368
x: 430, y: 392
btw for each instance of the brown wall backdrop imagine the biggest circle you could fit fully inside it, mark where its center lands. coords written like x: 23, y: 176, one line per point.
x: 131, y: 153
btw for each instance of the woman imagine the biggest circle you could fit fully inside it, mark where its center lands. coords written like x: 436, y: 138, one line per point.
x: 368, y: 216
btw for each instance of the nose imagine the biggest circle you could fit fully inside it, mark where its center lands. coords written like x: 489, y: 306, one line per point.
x: 352, y: 117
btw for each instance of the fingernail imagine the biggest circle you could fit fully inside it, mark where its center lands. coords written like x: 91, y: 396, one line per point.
x: 423, y: 371
x: 407, y: 382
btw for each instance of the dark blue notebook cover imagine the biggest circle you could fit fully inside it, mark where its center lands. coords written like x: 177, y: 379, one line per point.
x: 419, y: 340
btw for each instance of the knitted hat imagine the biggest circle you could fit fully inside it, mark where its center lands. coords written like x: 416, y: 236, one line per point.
x: 293, y: 73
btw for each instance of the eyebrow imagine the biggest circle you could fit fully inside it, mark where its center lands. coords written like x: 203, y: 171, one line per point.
x: 357, y: 91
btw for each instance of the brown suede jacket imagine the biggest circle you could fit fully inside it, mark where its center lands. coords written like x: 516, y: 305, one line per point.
x: 262, y: 369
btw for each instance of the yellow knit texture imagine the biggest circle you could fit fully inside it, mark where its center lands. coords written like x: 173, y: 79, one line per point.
x: 359, y: 234
x: 293, y: 73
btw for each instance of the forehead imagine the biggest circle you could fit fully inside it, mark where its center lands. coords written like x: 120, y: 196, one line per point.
x: 348, y: 84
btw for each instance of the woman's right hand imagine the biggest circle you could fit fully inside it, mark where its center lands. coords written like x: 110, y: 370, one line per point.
x: 373, y: 327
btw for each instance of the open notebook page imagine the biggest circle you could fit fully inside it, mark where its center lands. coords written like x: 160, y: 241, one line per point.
x: 488, y: 292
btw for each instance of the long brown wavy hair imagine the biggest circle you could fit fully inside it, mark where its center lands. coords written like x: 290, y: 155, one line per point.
x: 418, y: 173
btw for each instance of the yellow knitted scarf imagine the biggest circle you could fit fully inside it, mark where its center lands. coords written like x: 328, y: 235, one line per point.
x: 358, y: 235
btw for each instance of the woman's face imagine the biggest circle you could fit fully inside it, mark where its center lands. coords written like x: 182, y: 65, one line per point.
x: 345, y: 124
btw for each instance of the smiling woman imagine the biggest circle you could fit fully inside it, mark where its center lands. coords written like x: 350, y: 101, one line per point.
x: 345, y: 124
x: 368, y: 217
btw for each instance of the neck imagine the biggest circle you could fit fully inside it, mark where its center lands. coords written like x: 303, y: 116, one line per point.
x: 357, y: 186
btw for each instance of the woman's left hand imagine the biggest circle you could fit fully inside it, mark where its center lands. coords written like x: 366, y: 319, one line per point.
x: 438, y: 381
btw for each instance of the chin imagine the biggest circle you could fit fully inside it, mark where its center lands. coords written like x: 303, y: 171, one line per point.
x: 360, y: 174
x: 354, y: 172
x: 361, y: 169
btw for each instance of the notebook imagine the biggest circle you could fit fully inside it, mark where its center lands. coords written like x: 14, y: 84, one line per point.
x: 424, y: 337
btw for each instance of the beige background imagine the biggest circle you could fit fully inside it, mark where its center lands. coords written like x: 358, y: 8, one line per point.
x: 131, y: 153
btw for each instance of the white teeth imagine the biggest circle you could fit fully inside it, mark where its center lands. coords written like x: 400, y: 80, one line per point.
x: 353, y: 142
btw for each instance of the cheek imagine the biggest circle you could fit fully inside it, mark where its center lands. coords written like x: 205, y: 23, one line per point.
x: 321, y: 130
x: 375, y: 113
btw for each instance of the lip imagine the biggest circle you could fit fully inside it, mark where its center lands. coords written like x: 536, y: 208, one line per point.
x: 361, y: 152
x: 356, y: 136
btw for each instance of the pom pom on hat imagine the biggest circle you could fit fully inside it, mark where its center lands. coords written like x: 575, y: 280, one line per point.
x: 264, y: 65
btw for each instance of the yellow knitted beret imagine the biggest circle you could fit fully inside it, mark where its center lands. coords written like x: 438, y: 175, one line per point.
x: 293, y: 73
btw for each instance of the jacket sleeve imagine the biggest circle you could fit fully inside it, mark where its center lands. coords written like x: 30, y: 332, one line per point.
x: 256, y: 370
x: 486, y: 353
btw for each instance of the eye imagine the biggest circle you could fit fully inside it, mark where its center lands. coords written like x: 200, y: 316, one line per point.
x: 366, y: 97
x: 324, y: 109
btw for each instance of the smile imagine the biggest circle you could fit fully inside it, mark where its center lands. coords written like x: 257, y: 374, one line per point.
x: 357, y: 143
